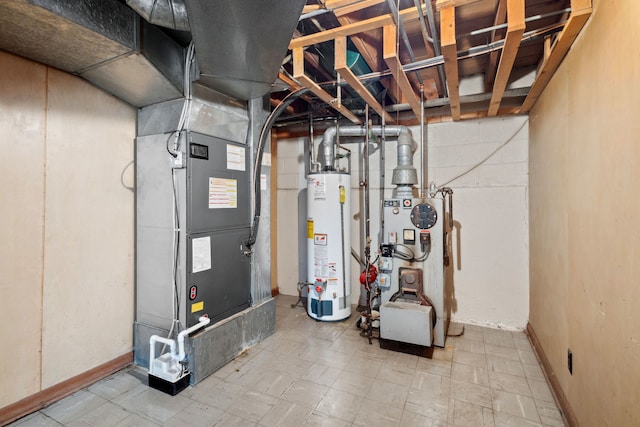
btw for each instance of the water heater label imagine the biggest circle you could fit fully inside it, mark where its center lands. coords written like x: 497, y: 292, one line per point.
x: 235, y: 158
x: 318, y: 187
x: 320, y: 239
x: 309, y: 228
x: 223, y: 193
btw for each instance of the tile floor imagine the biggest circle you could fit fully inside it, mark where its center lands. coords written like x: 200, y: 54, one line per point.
x: 325, y: 374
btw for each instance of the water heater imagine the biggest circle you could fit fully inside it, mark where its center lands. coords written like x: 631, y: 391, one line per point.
x: 328, y: 245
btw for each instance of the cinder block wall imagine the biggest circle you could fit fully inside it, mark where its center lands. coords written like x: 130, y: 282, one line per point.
x: 490, y: 274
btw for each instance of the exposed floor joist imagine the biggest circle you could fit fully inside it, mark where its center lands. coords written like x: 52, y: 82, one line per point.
x: 347, y: 74
x: 410, y: 14
x: 450, y: 54
x: 390, y: 55
x: 298, y: 74
x: 492, y: 68
x: 580, y: 13
x: 515, y: 29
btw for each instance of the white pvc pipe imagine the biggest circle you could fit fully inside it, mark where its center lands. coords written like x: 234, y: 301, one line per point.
x: 202, y: 321
x: 152, y: 348
x: 180, y: 354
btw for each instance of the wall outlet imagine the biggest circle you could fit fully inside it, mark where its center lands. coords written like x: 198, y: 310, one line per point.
x: 570, y: 361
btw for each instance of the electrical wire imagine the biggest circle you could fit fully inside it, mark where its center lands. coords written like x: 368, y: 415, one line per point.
x: 511, y: 138
x: 266, y: 128
x: 122, y: 177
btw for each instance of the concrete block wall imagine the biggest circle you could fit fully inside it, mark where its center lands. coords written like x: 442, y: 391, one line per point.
x: 490, y: 209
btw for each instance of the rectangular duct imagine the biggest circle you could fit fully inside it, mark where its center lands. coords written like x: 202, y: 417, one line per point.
x: 103, y: 41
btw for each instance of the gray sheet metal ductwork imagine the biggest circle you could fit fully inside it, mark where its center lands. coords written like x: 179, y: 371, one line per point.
x: 165, y: 13
x: 240, y: 44
x: 404, y: 174
x: 103, y: 41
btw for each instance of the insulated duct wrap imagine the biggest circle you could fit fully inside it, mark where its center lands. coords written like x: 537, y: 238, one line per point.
x: 404, y: 174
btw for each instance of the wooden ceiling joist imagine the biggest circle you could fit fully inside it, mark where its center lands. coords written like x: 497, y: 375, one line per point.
x: 406, y: 15
x: 342, y: 68
x: 352, y: 7
x: 450, y: 54
x: 580, y: 13
x: 515, y: 29
x: 298, y: 74
x: 492, y: 68
x: 390, y: 55
x: 445, y: 4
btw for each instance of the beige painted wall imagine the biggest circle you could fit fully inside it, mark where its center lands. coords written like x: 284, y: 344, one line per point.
x: 66, y: 227
x: 584, y: 231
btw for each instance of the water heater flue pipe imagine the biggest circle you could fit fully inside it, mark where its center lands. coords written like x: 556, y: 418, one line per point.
x: 404, y: 175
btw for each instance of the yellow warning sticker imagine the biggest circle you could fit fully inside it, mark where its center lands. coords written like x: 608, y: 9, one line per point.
x: 310, y: 229
x: 197, y: 306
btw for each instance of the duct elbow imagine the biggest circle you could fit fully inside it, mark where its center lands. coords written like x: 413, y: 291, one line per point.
x: 165, y: 13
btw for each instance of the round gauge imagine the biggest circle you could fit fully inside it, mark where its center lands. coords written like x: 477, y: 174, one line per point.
x: 423, y: 216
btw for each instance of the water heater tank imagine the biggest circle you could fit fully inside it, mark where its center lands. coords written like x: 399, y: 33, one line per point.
x: 328, y: 245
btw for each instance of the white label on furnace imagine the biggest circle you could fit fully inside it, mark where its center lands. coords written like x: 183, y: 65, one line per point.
x: 235, y: 157
x: 266, y: 159
x: 201, y: 254
x: 223, y: 193
x: 263, y: 181
x: 320, y: 239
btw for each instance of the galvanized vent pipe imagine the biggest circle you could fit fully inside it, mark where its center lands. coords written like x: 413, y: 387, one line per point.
x: 404, y: 175
x: 165, y: 13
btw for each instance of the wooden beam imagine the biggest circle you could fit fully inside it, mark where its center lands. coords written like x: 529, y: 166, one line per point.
x: 445, y: 4
x: 515, y: 29
x: 369, y: 48
x: 298, y: 74
x: 501, y: 18
x: 354, y: 7
x: 390, y: 55
x: 406, y: 15
x: 311, y: 8
x: 334, y: 4
x: 580, y: 13
x: 347, y: 74
x: 450, y: 54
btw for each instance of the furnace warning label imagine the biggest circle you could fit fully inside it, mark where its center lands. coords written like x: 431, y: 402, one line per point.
x: 235, y: 158
x: 201, y: 254
x: 223, y: 193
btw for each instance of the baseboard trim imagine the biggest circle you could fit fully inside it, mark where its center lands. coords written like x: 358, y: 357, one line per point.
x: 562, y: 401
x: 275, y: 292
x: 52, y: 394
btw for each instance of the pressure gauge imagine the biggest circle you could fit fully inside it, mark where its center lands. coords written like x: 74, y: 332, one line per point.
x: 423, y: 216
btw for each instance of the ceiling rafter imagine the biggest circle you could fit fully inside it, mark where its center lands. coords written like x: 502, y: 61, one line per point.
x: 410, y: 14
x: 515, y: 29
x: 298, y: 74
x: 580, y: 13
x: 492, y: 68
x: 370, y: 54
x: 450, y: 54
x: 390, y: 55
x: 347, y: 74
